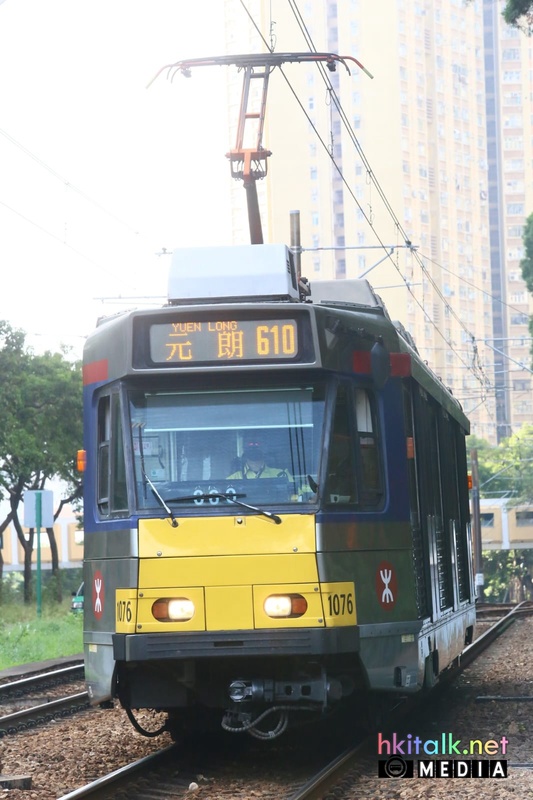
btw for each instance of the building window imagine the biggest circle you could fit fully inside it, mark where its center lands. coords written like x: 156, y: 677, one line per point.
x: 513, y: 142
x: 524, y: 519
x: 519, y: 319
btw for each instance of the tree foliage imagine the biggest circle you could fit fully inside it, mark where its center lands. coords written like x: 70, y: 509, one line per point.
x: 526, y: 265
x: 516, y: 12
x: 507, y: 575
x: 40, y: 429
x: 484, y: 450
x: 506, y: 471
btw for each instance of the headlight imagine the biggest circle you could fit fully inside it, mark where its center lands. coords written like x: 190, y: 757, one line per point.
x: 173, y: 609
x: 285, y: 605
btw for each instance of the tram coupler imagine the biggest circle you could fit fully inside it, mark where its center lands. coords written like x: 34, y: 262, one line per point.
x: 265, y: 690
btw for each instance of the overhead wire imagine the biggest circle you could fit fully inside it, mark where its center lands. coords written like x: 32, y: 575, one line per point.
x: 54, y: 236
x: 69, y: 185
x: 472, y: 285
x: 476, y: 362
x: 312, y: 124
x: 485, y: 342
x: 66, y: 182
x: 370, y: 174
x: 475, y: 365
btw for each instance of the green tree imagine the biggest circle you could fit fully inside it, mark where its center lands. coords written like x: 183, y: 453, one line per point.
x: 40, y: 430
x: 506, y: 471
x: 526, y: 265
x: 507, y: 575
x: 518, y: 13
x: 484, y: 454
x: 512, y: 465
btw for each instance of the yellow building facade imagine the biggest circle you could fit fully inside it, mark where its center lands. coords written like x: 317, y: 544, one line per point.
x: 69, y: 539
x: 505, y: 526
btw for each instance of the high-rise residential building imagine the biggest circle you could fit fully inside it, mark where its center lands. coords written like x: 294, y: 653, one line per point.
x: 417, y: 178
x: 508, y: 59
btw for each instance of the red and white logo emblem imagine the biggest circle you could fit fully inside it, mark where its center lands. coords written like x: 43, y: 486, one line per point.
x: 98, y: 594
x: 386, y: 585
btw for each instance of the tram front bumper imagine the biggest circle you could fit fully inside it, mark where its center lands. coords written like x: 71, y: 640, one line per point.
x: 216, y: 644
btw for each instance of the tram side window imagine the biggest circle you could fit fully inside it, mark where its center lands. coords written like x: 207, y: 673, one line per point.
x: 111, y: 482
x: 104, y: 432
x: 371, y: 484
x: 341, y: 485
x: 119, y: 497
x: 354, y: 469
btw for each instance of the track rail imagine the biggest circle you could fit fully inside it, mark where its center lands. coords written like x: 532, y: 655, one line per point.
x: 43, y: 713
x: 42, y: 680
x: 332, y: 775
x: 334, y: 778
x: 339, y: 770
x: 119, y: 779
x: 472, y: 651
x: 486, y: 612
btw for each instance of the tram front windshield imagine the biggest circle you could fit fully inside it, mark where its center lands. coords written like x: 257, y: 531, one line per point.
x: 259, y: 445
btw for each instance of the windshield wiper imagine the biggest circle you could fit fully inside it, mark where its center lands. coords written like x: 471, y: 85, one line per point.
x: 158, y: 497
x: 147, y: 480
x: 231, y: 498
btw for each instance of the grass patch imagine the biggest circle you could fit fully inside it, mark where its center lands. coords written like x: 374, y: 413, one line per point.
x: 26, y: 637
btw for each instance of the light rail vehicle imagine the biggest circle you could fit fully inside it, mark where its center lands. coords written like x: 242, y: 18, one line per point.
x: 275, y: 501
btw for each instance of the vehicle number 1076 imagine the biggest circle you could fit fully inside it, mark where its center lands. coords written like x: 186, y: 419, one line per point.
x: 124, y: 611
x: 340, y: 604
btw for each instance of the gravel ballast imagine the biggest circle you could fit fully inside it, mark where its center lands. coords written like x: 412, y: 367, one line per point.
x: 68, y: 753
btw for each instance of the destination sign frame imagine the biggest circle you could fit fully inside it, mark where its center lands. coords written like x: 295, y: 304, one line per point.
x: 192, y: 341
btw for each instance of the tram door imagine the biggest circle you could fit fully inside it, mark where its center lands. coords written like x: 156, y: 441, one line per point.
x: 433, y: 537
x: 420, y: 540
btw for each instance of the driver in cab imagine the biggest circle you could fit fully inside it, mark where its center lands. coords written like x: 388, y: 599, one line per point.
x: 254, y: 465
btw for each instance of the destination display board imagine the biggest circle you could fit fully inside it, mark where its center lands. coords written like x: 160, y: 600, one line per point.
x: 194, y: 341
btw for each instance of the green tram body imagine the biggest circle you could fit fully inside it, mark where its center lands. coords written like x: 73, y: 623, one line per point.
x: 347, y: 570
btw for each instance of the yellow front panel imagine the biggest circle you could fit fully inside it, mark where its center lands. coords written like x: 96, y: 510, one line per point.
x: 313, y: 617
x: 146, y: 623
x: 239, y: 535
x: 227, y: 570
x: 229, y: 608
x: 234, y: 559
x: 338, y: 600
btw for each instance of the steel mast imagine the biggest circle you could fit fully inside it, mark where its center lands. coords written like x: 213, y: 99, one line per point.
x: 249, y: 164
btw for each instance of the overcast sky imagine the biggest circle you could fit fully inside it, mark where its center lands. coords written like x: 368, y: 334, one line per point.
x: 97, y: 172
